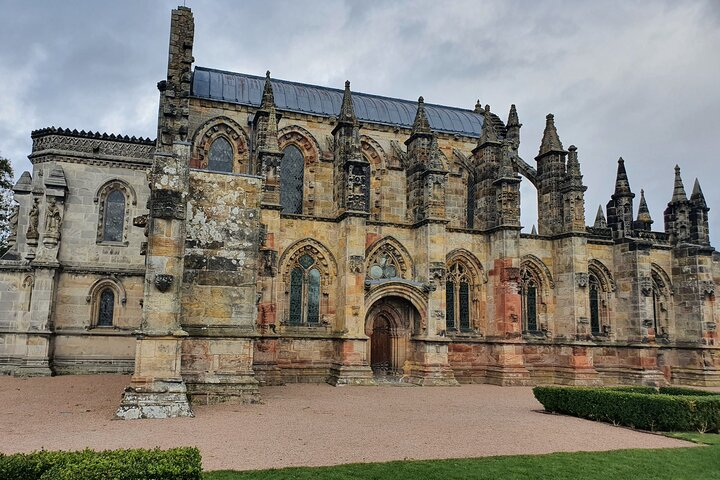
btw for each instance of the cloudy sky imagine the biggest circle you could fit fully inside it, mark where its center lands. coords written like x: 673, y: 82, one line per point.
x: 637, y: 79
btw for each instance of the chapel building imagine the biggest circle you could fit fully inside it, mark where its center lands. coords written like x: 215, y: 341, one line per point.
x: 278, y: 232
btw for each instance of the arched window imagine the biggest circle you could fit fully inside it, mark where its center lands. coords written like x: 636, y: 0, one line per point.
x: 530, y: 291
x: 113, y: 217
x: 457, y: 298
x: 304, y: 292
x: 292, y: 169
x: 220, y: 156
x: 106, y: 308
x: 594, y: 291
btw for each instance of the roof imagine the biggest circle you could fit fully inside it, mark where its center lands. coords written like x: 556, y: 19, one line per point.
x: 246, y: 89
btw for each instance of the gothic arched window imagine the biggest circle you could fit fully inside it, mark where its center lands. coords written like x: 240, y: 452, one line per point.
x: 220, y: 156
x: 530, y: 291
x: 113, y: 217
x: 457, y: 298
x: 595, y: 291
x: 105, y: 308
x: 304, y: 292
x: 292, y: 169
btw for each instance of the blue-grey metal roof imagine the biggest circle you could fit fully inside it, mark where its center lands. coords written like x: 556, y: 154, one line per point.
x: 315, y: 100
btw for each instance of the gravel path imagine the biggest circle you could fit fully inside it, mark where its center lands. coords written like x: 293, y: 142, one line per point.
x: 306, y: 424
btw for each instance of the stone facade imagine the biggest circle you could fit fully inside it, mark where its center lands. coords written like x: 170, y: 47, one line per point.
x: 210, y: 261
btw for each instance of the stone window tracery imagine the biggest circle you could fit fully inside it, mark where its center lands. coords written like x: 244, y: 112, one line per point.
x: 597, y: 305
x: 292, y: 169
x: 220, y: 156
x: 530, y: 292
x: 304, y: 292
x: 386, y: 260
x: 458, y: 301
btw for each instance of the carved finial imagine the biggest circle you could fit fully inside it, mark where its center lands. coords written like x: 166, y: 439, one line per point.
x: 347, y: 112
x: 478, y: 107
x: 644, y: 212
x: 679, y: 194
x: 421, y: 123
x: 600, y: 221
x: 551, y: 140
x: 622, y: 184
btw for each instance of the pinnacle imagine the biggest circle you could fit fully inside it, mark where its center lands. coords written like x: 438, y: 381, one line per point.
x: 488, y: 134
x: 268, y: 99
x: 347, y: 112
x: 679, y: 194
x: 421, y: 123
x: 534, y: 230
x: 478, y: 107
x: 513, y: 120
x: 697, y: 195
x: 600, y: 221
x: 622, y: 184
x: 644, y: 212
x: 551, y: 140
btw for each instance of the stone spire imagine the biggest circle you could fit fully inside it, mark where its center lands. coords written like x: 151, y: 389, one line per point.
x: 421, y: 125
x: 268, y: 97
x: 679, y: 194
x: 643, y: 219
x: 488, y: 134
x: 622, y: 184
x: 574, y: 177
x: 513, y: 127
x: 600, y: 221
x: 266, y: 120
x: 697, y: 198
x: 347, y: 112
x: 551, y: 140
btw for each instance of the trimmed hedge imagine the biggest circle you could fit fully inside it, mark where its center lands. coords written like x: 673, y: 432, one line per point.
x: 638, y: 409
x: 135, y: 464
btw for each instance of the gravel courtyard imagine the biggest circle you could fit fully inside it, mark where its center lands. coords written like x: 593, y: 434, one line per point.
x: 306, y: 424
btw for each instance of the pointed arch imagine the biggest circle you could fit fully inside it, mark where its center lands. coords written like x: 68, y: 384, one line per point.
x: 106, y: 297
x: 301, y: 138
x: 663, y: 305
x: 461, y: 161
x: 468, y: 258
x: 603, y: 274
x: 463, y: 291
x: 221, y: 128
x: 375, y: 155
x: 537, y: 267
x: 661, y: 277
x: 389, y: 255
x: 115, y: 199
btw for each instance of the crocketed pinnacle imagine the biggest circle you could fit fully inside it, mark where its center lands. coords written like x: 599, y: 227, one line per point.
x: 421, y: 123
x: 622, y: 184
x: 697, y: 196
x: 574, y: 177
x: 513, y: 120
x: 679, y: 194
x: 551, y: 140
x: 643, y: 211
x: 488, y: 134
x: 268, y: 99
x: 600, y: 221
x: 347, y: 112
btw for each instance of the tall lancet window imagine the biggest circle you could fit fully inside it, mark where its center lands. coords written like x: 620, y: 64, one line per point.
x: 304, y: 292
x: 292, y: 168
x: 220, y: 158
x: 114, y: 217
x: 457, y: 298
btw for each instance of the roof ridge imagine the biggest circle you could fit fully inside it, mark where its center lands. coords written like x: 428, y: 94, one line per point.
x: 41, y: 132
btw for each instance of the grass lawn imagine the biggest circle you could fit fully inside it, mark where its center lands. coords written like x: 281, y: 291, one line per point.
x: 697, y: 463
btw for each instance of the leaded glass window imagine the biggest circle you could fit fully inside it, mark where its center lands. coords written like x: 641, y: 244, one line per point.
x: 305, y: 292
x: 106, y: 308
x: 457, y: 298
x: 594, y: 305
x: 114, y: 213
x: 529, y: 294
x: 220, y: 157
x: 292, y: 169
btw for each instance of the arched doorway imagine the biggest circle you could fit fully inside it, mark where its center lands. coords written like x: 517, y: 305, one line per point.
x: 390, y: 322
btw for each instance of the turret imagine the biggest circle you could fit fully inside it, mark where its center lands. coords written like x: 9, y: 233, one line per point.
x: 550, y: 180
x: 486, y: 160
x: 699, y: 228
x: 573, y: 195
x: 507, y: 190
x: 427, y: 171
x: 620, y: 207
x: 677, y: 213
x: 352, y: 170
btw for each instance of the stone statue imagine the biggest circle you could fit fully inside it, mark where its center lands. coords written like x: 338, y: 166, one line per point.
x: 14, y: 223
x: 32, y: 231
x: 52, y: 220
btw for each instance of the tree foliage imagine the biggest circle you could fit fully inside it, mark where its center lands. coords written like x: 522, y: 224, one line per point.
x: 7, y: 203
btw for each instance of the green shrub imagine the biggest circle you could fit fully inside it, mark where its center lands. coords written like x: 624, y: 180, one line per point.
x: 136, y: 464
x: 687, y: 391
x: 647, y: 411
